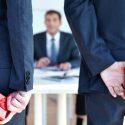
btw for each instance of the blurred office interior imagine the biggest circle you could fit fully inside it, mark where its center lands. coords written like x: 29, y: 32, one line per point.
x: 51, y: 111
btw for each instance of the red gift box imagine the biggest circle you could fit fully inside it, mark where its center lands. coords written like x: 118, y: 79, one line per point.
x: 124, y: 81
x: 3, y: 107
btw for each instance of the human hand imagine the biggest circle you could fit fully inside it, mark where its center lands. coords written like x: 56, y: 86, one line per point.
x: 43, y: 62
x: 18, y: 101
x: 65, y: 66
x: 8, y: 118
x: 113, y: 78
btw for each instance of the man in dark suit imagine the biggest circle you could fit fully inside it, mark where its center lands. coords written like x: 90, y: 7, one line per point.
x: 54, y: 47
x: 99, y: 30
x: 16, y: 57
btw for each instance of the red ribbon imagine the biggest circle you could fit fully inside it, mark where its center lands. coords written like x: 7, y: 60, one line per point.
x: 124, y: 81
x: 3, y: 104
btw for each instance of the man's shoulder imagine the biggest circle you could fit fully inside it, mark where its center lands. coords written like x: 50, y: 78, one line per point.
x: 39, y: 37
x: 66, y: 34
x: 40, y: 34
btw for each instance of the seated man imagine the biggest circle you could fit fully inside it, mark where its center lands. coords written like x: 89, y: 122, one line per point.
x: 53, y: 47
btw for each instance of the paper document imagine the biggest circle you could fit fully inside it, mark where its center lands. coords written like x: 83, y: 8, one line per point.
x: 56, y: 74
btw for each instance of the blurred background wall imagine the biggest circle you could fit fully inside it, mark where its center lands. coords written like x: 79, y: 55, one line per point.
x: 39, y: 9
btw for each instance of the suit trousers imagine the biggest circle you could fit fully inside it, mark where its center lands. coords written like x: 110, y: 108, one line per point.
x: 103, y: 109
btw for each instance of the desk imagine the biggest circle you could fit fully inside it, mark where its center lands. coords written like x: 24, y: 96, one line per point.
x: 43, y: 87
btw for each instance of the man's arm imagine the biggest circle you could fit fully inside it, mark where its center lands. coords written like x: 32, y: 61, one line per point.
x: 19, y: 17
x: 75, y: 55
x: 83, y: 22
x: 35, y: 37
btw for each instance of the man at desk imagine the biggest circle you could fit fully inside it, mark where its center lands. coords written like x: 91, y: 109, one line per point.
x: 53, y: 47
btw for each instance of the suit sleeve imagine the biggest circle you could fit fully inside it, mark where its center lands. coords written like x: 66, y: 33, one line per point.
x: 19, y: 17
x: 83, y: 23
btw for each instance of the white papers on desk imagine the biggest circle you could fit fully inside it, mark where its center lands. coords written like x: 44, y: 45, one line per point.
x: 39, y: 73
x: 51, y: 68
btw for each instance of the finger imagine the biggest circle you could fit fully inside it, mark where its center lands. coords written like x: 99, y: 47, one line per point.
x: 66, y: 67
x: 41, y: 64
x: 121, y: 90
x: 10, y: 107
x: 123, y: 97
x: 61, y: 66
x: 46, y: 60
x: 13, y: 109
x: 9, y: 98
x: 117, y: 90
x: 112, y: 92
x: 118, y: 83
x: 21, y: 97
x: 118, y: 87
x: 16, y: 103
x: 9, y: 117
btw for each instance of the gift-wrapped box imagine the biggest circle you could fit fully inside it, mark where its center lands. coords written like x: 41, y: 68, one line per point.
x: 3, y: 107
x: 124, y: 81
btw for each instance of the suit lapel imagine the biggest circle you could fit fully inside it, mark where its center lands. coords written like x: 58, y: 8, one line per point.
x: 62, y: 47
x: 43, y: 45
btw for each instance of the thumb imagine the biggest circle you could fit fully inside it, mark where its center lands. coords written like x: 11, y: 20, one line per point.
x: 9, y: 117
x: 9, y: 98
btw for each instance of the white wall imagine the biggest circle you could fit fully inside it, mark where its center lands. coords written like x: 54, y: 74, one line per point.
x: 39, y: 9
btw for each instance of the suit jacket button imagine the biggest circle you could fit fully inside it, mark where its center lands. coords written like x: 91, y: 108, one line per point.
x: 27, y: 73
x: 27, y: 77
x: 27, y: 81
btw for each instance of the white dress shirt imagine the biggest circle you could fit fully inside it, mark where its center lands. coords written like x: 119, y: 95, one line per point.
x: 49, y: 43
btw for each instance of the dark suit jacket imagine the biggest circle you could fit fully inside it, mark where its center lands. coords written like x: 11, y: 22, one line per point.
x: 16, y: 46
x: 68, y: 51
x: 99, y: 30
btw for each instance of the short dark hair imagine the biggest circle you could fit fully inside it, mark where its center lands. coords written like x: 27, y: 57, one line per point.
x: 49, y: 12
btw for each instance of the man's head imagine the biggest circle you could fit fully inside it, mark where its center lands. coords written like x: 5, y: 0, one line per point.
x: 52, y: 21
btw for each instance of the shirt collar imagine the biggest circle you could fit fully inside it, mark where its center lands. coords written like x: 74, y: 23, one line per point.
x: 56, y: 36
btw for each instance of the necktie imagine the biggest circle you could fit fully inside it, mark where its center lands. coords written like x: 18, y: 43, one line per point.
x: 53, y: 52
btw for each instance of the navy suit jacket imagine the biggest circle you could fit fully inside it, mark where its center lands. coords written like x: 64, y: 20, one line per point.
x: 99, y: 30
x: 16, y: 46
x: 68, y: 51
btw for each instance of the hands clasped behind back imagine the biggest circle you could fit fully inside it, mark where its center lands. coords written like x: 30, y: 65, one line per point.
x: 113, y: 78
x: 16, y: 103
